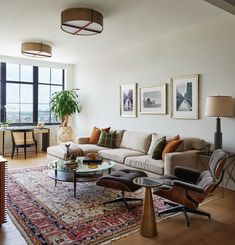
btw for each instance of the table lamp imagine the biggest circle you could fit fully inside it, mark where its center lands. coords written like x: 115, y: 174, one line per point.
x: 219, y: 106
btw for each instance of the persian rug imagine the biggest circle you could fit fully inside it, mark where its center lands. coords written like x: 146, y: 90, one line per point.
x: 46, y: 214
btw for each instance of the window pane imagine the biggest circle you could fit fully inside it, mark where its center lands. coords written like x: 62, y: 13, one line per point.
x: 13, y: 72
x: 56, y: 76
x: 43, y: 75
x: 12, y: 113
x: 26, y: 93
x: 53, y: 118
x: 43, y: 113
x: 43, y: 94
x: 12, y: 93
x: 26, y: 113
x: 55, y: 89
x: 26, y: 73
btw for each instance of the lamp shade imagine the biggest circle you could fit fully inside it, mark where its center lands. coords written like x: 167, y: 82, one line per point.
x: 36, y: 49
x: 219, y: 106
x: 81, y: 21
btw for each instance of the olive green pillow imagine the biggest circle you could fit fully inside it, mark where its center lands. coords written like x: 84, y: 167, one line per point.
x: 107, y: 139
x: 158, y: 148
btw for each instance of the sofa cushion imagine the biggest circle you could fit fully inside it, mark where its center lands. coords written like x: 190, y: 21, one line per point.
x: 60, y: 151
x: 107, y: 139
x: 118, y: 155
x: 158, y: 148
x: 193, y: 143
x: 91, y: 148
x: 95, y: 135
x: 136, y: 141
x: 119, y: 135
x: 156, y: 137
x: 145, y: 163
x: 171, y: 146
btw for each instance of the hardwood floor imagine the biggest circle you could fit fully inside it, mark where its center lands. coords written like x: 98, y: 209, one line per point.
x: 219, y: 230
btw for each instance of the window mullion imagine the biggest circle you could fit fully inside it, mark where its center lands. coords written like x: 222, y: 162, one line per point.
x: 35, y: 94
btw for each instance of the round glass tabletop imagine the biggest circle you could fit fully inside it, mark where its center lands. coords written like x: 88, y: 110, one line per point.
x: 59, y: 165
x: 148, y: 182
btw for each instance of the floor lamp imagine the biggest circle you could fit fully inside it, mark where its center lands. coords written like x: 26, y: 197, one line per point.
x: 219, y: 106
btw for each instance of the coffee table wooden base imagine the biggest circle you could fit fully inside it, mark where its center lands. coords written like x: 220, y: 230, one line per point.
x: 148, y: 226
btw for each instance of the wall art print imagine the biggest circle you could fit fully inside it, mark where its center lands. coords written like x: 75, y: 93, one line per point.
x: 152, y: 99
x: 128, y: 100
x: 185, y: 97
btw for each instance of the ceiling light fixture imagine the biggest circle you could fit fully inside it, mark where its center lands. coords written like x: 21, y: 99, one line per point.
x: 81, y: 21
x: 36, y: 49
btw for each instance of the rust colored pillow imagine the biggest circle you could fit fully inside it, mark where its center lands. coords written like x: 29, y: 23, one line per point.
x: 95, y: 135
x: 171, y: 146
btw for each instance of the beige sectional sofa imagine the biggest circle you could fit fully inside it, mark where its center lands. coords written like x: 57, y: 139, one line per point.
x: 133, y: 150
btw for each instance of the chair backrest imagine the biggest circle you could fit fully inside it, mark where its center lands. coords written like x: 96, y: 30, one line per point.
x: 22, y: 136
x: 210, y: 179
x: 217, y: 163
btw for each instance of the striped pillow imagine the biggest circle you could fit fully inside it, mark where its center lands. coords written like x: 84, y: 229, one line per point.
x: 107, y: 139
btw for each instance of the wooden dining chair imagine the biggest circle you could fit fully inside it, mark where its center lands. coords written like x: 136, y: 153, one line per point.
x: 22, y: 138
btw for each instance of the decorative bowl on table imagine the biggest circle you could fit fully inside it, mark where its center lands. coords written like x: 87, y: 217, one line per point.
x: 92, y: 155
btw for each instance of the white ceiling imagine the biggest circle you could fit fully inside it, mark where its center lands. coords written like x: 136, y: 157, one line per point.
x: 126, y: 22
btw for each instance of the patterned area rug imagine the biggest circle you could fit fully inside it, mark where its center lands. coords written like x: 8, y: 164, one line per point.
x: 46, y: 214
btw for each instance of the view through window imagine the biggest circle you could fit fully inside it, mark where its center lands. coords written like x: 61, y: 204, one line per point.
x: 26, y: 92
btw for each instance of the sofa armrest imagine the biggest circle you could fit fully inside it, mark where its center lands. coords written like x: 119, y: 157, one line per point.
x: 188, y: 159
x: 83, y: 140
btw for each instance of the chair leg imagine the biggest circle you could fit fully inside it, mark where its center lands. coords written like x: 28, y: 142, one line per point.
x: 24, y: 152
x: 185, y: 210
x: 36, y: 149
x: 17, y: 151
x: 124, y: 199
x: 13, y: 150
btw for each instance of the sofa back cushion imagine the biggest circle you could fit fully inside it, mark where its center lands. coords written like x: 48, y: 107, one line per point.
x: 156, y: 137
x: 119, y: 135
x: 136, y: 141
x: 193, y: 143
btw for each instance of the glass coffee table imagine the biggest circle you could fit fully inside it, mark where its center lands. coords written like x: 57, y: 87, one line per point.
x: 82, y: 173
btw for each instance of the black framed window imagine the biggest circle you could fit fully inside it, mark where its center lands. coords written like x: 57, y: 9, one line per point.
x: 26, y: 92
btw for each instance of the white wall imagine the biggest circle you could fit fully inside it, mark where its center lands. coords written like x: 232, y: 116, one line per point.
x: 206, y: 48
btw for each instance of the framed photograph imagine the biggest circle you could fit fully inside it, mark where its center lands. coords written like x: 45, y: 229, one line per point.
x: 185, y: 97
x: 152, y: 99
x: 128, y: 100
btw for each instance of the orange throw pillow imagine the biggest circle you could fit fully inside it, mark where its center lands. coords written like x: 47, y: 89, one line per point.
x: 171, y: 146
x: 95, y: 135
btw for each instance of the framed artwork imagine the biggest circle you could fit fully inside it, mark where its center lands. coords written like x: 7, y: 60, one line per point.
x: 152, y: 99
x: 128, y: 100
x: 185, y: 97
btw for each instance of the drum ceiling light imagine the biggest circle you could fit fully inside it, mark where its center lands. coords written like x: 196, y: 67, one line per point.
x: 81, y: 21
x: 36, y: 49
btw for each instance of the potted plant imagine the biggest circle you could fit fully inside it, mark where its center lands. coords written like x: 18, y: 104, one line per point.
x: 64, y: 104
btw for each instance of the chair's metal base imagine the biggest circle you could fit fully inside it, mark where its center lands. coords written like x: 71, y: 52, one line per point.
x: 181, y: 208
x: 124, y: 199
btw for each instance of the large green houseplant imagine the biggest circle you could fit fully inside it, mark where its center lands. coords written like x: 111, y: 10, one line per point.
x: 64, y: 104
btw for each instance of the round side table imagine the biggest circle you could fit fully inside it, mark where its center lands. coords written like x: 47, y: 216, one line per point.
x: 148, y: 226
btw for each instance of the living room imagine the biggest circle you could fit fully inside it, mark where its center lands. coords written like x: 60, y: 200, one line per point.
x: 145, y: 44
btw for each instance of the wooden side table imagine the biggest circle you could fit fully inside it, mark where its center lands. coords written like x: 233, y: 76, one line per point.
x: 148, y: 226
